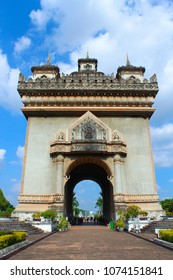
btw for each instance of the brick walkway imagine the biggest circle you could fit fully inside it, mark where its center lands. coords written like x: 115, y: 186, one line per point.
x: 93, y: 243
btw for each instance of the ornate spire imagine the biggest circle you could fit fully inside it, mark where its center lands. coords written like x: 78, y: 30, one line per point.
x: 87, y: 56
x: 48, y: 60
x: 127, y: 60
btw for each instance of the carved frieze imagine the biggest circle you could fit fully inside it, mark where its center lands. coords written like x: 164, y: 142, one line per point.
x: 87, y: 82
x: 88, y: 147
x: 45, y: 198
x: 135, y: 198
x: 56, y: 207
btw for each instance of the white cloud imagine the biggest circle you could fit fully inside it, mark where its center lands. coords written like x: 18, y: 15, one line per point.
x: 162, y: 138
x: 22, y: 44
x: 49, y: 12
x: 20, y: 152
x: 8, y: 80
x: 2, y: 154
x: 143, y: 29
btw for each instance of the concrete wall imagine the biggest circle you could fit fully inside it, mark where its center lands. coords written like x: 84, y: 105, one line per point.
x: 39, y: 171
x: 138, y: 167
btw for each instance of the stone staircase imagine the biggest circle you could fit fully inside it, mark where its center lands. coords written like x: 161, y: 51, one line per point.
x: 163, y: 224
x: 19, y: 226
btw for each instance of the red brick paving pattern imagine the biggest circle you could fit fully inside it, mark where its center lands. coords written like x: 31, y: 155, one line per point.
x: 93, y: 243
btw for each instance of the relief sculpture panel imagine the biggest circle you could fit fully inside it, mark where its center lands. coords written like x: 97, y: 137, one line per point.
x: 91, y: 135
x: 88, y: 130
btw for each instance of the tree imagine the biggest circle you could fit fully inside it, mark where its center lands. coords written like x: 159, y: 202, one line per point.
x: 99, y: 204
x: 49, y: 214
x: 132, y: 211
x: 167, y: 204
x: 5, y: 205
x: 75, y: 205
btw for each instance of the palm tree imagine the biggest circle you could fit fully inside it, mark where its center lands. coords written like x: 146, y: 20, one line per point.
x: 75, y: 205
x: 99, y: 204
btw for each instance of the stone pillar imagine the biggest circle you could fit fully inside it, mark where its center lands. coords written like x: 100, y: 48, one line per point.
x: 118, y: 188
x: 119, y: 182
x: 60, y: 175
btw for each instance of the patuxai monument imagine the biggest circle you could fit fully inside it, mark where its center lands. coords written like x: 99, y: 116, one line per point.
x: 87, y: 126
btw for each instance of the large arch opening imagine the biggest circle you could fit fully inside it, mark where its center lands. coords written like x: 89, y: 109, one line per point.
x: 87, y: 193
x: 96, y: 173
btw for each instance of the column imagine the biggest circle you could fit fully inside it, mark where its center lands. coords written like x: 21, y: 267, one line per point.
x: 60, y: 174
x: 118, y: 188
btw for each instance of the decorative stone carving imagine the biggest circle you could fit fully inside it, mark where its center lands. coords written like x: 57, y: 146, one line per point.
x: 22, y: 78
x: 84, y: 81
x: 61, y: 136
x: 153, y: 79
x: 88, y: 130
x: 110, y: 178
x: 89, y: 135
x: 116, y: 137
x: 135, y: 198
x: 41, y: 198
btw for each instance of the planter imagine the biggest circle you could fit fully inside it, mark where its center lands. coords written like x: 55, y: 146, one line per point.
x: 46, y: 227
x: 143, y: 218
x: 119, y: 229
x: 62, y: 229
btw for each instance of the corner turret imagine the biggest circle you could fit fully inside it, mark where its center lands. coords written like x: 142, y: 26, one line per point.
x: 130, y: 72
x: 47, y: 70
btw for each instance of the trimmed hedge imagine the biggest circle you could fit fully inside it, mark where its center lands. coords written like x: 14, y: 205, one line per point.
x: 166, y: 234
x: 10, y: 238
x: 5, y: 232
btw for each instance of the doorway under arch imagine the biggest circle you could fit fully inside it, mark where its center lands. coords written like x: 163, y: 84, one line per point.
x: 87, y: 193
x: 96, y: 173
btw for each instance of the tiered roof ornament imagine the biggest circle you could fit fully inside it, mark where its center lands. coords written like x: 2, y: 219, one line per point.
x: 127, y: 93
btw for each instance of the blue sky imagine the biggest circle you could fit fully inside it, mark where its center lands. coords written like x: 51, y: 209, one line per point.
x: 66, y: 29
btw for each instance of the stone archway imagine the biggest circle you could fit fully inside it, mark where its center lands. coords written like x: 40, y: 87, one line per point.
x: 87, y: 114
x: 94, y: 172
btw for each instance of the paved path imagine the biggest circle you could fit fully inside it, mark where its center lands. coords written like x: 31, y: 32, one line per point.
x: 93, y: 243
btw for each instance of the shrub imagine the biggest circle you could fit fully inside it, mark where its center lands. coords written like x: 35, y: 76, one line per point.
x: 166, y: 234
x: 169, y: 214
x: 99, y: 218
x: 144, y: 213
x: 5, y: 232
x: 119, y: 223
x: 7, y: 240
x: 11, y: 238
x: 49, y: 214
x: 20, y: 236
x: 36, y: 215
x: 133, y: 211
x: 63, y: 223
x: 6, y: 213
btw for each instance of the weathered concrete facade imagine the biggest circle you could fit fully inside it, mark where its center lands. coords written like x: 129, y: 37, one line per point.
x: 88, y: 125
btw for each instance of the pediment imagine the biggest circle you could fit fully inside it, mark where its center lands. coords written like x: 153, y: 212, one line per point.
x: 89, y: 128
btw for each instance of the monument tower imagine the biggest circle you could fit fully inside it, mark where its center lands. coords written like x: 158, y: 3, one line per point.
x: 87, y: 125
